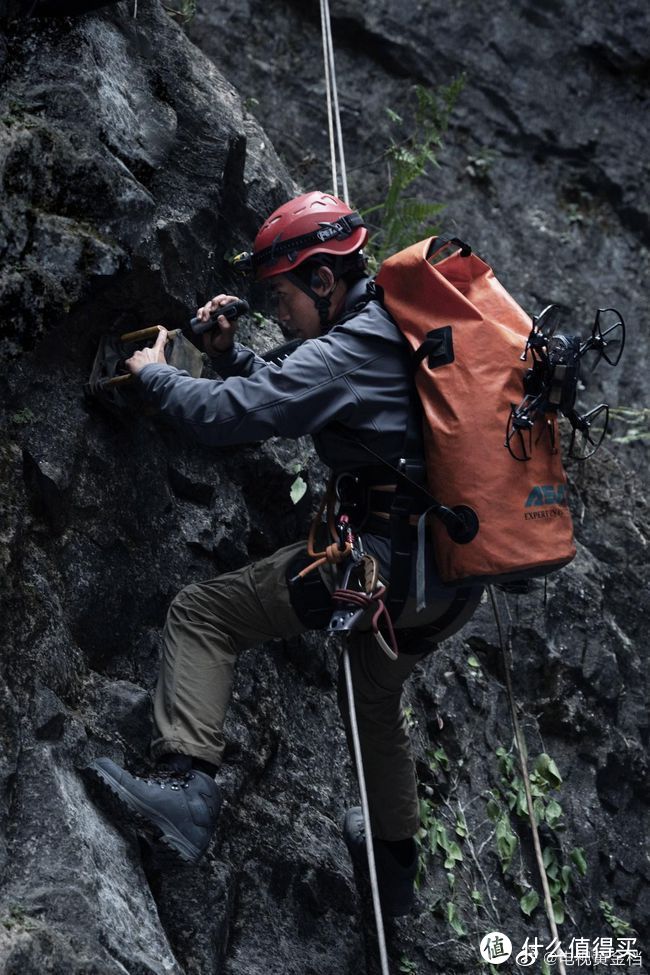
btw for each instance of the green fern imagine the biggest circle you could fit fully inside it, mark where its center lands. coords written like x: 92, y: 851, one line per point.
x: 401, y: 218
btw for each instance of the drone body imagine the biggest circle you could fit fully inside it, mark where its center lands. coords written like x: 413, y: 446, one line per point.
x: 551, y: 384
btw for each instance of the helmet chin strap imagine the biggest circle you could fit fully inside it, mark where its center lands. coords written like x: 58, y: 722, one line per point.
x: 322, y: 302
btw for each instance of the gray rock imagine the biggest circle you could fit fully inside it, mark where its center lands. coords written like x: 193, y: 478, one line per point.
x: 130, y: 168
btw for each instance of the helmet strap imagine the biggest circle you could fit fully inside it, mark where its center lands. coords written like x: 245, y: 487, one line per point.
x: 322, y: 302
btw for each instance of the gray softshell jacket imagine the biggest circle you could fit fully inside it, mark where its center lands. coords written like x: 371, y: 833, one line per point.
x: 358, y: 374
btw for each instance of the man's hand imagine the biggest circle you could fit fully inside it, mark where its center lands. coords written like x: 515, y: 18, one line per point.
x: 220, y: 340
x: 144, y: 357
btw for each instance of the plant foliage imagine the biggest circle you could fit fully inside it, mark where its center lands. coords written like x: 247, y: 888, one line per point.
x: 401, y: 218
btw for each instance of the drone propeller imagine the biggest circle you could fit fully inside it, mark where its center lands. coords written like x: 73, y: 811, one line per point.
x: 544, y: 327
x: 588, y: 431
x: 607, y: 341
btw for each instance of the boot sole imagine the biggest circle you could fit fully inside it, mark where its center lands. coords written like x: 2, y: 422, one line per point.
x: 153, y: 825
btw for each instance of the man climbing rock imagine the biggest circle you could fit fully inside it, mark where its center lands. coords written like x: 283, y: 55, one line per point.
x: 348, y: 384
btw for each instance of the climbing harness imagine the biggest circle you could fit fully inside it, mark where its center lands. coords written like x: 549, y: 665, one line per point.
x: 360, y: 591
x: 505, y: 644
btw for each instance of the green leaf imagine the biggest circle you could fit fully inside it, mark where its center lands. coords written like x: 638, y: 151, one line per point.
x: 461, y: 827
x: 451, y: 880
x: 298, y: 489
x: 433, y: 839
x: 407, y: 967
x: 566, y: 873
x: 554, y: 813
x: 425, y: 810
x: 443, y: 839
x: 440, y: 755
x: 558, y: 911
x: 546, y: 968
x: 506, y: 841
x: 454, y: 920
x: 553, y: 869
x: 493, y: 809
x: 617, y: 924
x: 474, y: 662
x: 577, y: 856
x: 477, y: 897
x: 548, y: 770
x: 529, y: 902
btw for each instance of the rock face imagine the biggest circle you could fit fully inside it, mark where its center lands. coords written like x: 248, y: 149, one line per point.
x: 129, y: 168
x: 544, y: 167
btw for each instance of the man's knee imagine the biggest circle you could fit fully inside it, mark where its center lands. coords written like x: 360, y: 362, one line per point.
x: 194, y: 603
x: 183, y: 601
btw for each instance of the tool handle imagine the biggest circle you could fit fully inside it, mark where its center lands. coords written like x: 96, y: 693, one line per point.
x: 231, y: 311
x: 146, y: 333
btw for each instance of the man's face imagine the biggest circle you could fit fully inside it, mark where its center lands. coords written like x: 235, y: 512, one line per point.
x: 295, y: 310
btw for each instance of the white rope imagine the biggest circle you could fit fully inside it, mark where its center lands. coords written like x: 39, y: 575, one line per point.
x: 383, y: 957
x: 334, y: 121
x: 520, y: 745
x: 333, y: 96
x: 328, y: 89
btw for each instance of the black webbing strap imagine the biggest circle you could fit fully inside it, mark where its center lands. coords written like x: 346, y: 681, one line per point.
x: 400, y: 555
x: 437, y: 349
x: 443, y: 240
x: 403, y: 506
x: 338, y: 230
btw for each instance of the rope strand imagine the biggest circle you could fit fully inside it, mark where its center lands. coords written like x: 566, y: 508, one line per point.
x: 328, y: 90
x: 333, y: 100
x: 520, y: 745
x: 374, y: 886
x: 333, y: 113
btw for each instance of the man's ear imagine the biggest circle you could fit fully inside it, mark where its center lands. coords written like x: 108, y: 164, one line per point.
x: 322, y: 281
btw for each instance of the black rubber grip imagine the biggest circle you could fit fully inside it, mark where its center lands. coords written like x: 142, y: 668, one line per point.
x: 231, y: 312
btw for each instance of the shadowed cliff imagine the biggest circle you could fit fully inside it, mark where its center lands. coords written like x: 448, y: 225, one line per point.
x: 130, y: 168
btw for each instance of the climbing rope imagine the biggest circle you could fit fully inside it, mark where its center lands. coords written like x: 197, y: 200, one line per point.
x: 520, y: 746
x: 374, y: 886
x: 333, y: 110
x: 334, y: 122
x: 338, y: 551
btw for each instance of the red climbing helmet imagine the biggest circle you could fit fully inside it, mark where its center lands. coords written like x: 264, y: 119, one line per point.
x: 314, y: 223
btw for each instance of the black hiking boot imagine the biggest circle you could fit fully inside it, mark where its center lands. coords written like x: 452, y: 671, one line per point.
x: 177, y: 809
x: 395, y: 876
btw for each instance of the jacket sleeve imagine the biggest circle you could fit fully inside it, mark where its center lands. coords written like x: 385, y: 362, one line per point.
x: 238, y: 361
x: 300, y: 396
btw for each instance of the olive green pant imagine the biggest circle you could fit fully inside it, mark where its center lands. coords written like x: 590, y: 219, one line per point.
x: 210, y: 622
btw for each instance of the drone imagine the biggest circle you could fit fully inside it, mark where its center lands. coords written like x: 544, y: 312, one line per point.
x: 551, y: 383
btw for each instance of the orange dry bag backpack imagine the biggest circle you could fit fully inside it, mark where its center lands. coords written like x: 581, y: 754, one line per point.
x: 468, y: 336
